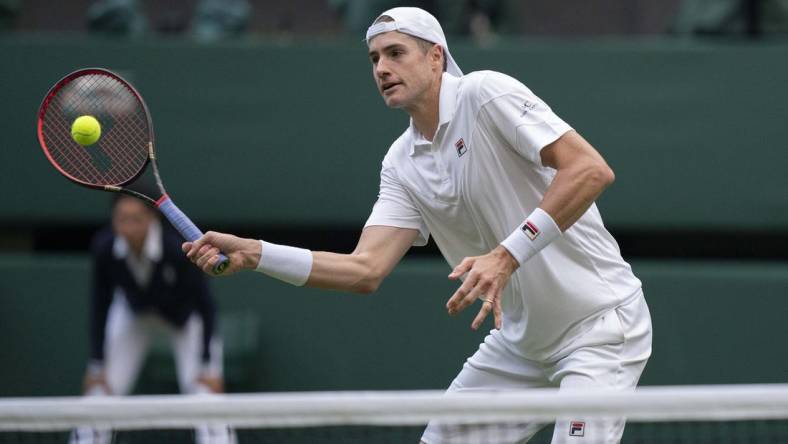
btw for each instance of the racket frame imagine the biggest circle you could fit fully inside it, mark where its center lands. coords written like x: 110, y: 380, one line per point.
x: 181, y: 222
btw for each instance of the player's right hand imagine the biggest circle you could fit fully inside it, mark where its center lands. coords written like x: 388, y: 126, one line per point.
x: 204, y: 252
x: 95, y: 383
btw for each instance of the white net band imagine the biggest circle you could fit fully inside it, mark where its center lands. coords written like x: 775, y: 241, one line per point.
x: 303, y: 409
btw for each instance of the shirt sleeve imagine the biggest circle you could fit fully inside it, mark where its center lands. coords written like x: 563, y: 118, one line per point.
x: 523, y: 119
x: 101, y: 298
x: 207, y: 311
x: 394, y: 207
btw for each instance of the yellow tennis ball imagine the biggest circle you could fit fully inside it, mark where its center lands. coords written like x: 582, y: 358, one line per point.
x: 86, y: 130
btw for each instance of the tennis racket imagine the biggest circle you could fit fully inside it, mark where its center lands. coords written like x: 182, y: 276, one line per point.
x: 123, y: 159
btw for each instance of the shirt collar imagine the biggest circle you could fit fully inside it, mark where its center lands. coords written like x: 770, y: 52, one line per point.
x: 448, y: 98
x: 151, y: 249
x: 447, y: 105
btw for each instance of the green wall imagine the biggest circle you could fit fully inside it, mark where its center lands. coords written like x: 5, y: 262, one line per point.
x: 259, y: 134
x: 294, y: 132
x: 713, y: 323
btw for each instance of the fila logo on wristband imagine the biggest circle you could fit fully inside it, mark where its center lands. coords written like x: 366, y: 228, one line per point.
x: 577, y: 428
x: 538, y: 230
x: 530, y: 230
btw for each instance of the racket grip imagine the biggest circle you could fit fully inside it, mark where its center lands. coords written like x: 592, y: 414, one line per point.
x: 186, y: 227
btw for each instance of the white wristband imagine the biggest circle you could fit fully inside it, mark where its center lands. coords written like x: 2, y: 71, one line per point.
x: 289, y: 264
x: 538, y: 230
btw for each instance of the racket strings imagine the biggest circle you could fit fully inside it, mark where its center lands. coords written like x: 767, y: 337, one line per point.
x: 120, y: 100
x: 122, y: 150
x: 63, y: 107
x: 95, y: 156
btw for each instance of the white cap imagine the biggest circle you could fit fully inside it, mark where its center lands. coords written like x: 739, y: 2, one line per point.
x: 418, y: 23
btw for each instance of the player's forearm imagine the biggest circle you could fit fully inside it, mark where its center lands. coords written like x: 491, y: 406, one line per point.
x: 574, y: 189
x: 379, y: 249
x: 354, y: 273
x: 345, y: 272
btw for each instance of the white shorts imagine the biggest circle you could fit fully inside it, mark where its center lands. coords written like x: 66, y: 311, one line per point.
x: 610, y: 355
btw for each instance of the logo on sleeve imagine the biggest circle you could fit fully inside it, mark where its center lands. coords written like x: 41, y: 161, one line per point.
x: 577, y: 428
x: 461, y: 148
x: 528, y: 106
x: 530, y: 230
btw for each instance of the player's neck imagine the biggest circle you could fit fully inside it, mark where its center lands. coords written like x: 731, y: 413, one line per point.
x: 425, y: 113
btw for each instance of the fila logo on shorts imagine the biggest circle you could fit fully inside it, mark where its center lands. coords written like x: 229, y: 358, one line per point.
x: 577, y: 428
x: 461, y: 148
x: 530, y: 230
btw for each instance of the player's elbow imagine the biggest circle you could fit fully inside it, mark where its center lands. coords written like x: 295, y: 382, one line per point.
x: 367, y: 285
x: 607, y: 176
x: 368, y: 280
x: 599, y: 176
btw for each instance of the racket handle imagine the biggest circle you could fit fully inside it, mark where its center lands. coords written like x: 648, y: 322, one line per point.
x: 186, y: 227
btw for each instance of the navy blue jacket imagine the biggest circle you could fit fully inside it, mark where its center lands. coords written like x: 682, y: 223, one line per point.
x: 177, y: 289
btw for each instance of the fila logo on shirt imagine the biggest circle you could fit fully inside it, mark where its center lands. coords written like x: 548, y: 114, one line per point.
x: 577, y: 428
x: 461, y: 148
x: 530, y: 230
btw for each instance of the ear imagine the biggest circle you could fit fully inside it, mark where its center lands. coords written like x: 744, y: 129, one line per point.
x: 437, y: 55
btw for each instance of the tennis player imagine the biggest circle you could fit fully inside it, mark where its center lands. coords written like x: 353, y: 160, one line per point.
x: 507, y: 189
x: 142, y: 286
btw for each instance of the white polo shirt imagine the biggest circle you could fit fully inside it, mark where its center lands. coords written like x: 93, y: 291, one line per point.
x: 476, y: 182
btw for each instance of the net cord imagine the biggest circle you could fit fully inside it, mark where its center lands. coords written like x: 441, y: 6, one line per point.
x: 303, y: 409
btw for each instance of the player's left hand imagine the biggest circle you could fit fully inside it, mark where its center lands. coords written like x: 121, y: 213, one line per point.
x: 486, y: 279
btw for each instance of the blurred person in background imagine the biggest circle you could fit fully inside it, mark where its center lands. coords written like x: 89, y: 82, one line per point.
x: 211, y: 20
x: 732, y: 17
x: 142, y: 286
x: 357, y: 14
x: 477, y: 19
x: 9, y: 11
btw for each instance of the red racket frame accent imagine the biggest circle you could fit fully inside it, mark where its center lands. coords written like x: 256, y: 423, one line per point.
x: 180, y: 221
x: 65, y: 81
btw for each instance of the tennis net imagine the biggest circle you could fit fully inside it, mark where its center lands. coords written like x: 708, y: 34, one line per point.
x: 682, y: 414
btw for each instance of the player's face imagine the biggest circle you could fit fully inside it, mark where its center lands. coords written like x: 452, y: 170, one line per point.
x: 403, y: 72
x: 131, y: 219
